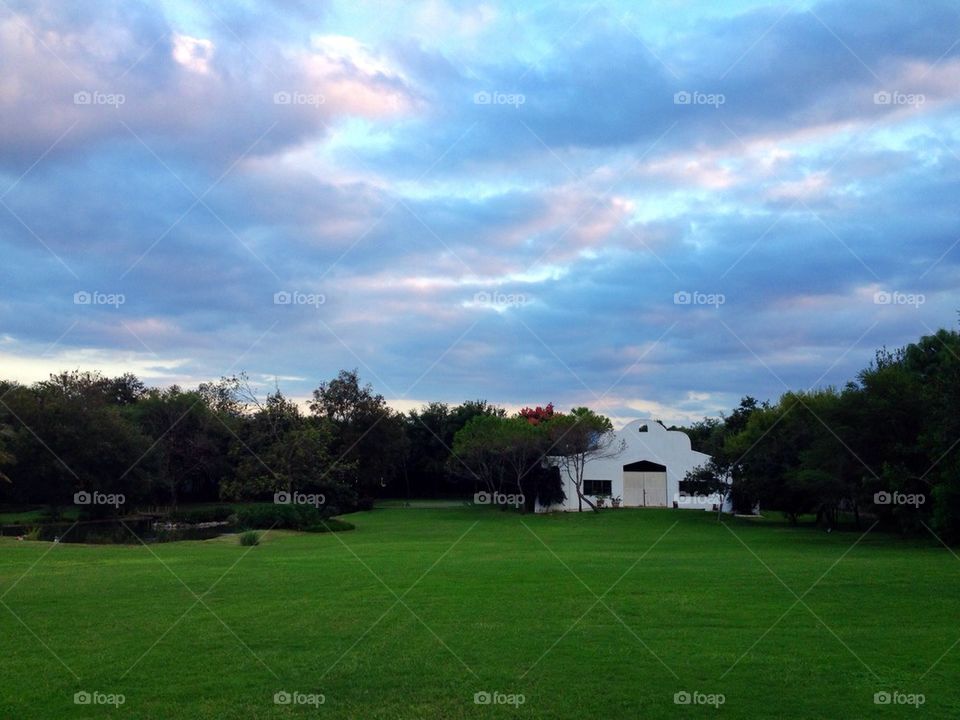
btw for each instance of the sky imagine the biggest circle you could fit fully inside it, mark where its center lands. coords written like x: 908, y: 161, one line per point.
x: 649, y: 208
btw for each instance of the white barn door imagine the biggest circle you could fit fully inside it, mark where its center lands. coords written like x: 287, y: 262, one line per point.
x: 644, y: 484
x: 633, y: 489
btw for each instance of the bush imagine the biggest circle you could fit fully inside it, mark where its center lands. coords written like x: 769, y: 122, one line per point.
x: 192, y: 516
x: 250, y: 538
x: 289, y: 517
x: 32, y: 534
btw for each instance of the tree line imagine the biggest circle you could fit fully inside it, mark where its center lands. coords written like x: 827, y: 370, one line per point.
x: 883, y: 447
x: 81, y: 432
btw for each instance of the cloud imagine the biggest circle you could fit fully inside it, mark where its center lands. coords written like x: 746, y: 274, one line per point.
x: 85, y: 85
x: 193, y: 53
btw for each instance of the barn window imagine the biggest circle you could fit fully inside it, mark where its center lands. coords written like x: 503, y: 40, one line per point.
x: 597, y: 487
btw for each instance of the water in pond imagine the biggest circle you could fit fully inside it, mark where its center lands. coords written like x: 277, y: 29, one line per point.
x: 129, y: 531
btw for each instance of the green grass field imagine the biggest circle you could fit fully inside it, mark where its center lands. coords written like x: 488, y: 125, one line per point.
x: 418, y: 609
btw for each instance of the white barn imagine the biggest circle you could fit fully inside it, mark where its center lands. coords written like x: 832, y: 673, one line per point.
x: 646, y: 473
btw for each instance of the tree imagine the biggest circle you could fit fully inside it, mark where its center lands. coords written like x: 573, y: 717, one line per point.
x: 578, y: 438
x: 789, y: 457
x: 7, y: 458
x: 522, y: 446
x: 711, y: 478
x: 190, y: 442
x: 475, y: 449
x: 538, y: 415
x: 429, y: 434
x: 67, y: 436
x: 720, y: 475
x: 280, y: 450
x: 368, y: 436
x: 506, y: 453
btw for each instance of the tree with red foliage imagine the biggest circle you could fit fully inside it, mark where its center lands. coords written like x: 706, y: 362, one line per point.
x: 537, y: 415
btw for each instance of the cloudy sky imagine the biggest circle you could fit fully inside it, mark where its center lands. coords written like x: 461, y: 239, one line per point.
x: 651, y: 208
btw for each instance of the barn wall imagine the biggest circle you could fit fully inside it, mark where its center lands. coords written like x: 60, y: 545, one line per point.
x: 670, y: 448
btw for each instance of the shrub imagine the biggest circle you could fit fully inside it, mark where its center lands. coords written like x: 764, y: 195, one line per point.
x: 250, y: 538
x: 268, y: 515
x: 32, y: 534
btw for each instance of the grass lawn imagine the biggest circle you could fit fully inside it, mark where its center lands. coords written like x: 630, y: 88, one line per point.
x: 418, y: 609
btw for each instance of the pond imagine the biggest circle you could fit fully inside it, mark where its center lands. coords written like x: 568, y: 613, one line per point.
x: 126, y: 531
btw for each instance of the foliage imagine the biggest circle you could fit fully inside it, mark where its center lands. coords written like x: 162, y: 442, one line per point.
x: 191, y: 443
x: 368, y: 437
x: 538, y: 415
x: 882, y: 447
x: 268, y: 516
x: 250, y: 538
x: 510, y: 454
x: 576, y: 439
x: 281, y: 451
x: 69, y: 434
x: 429, y: 469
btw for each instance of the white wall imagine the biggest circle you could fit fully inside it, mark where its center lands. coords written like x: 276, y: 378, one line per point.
x: 664, y: 447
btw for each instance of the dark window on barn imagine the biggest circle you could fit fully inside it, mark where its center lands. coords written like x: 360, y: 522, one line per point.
x: 597, y: 487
